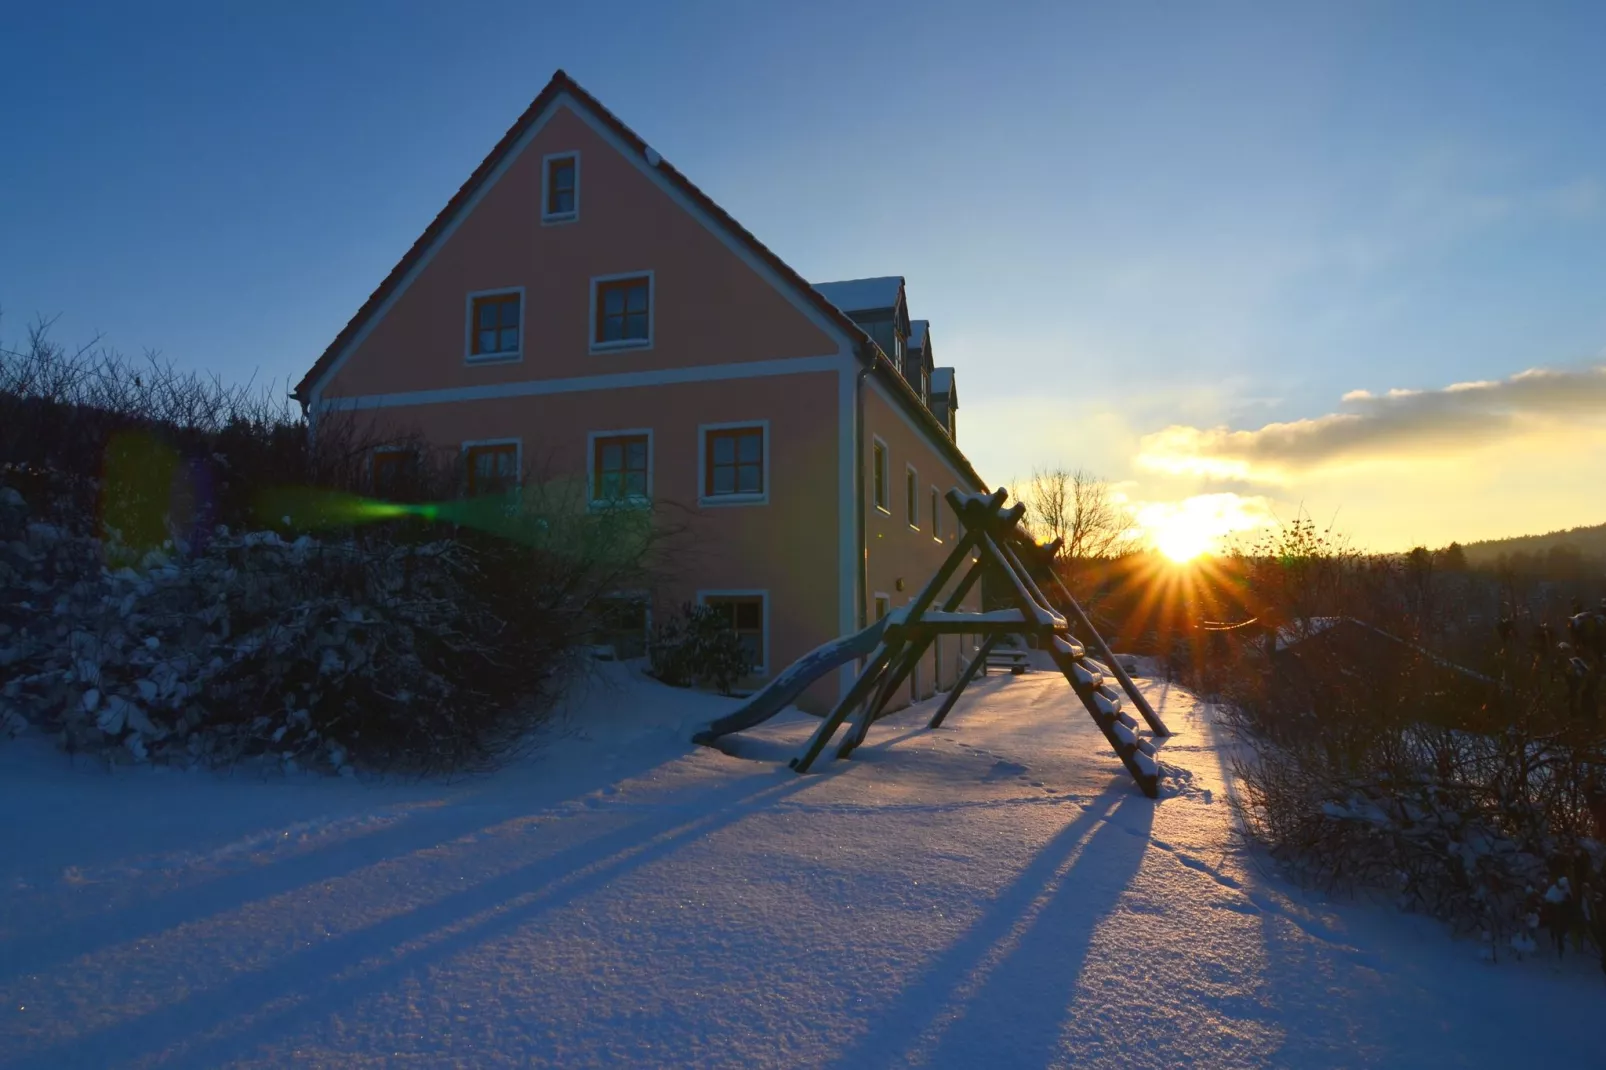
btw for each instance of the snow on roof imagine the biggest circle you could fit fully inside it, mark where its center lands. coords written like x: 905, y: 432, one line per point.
x: 942, y: 380
x: 917, y: 333
x: 862, y: 295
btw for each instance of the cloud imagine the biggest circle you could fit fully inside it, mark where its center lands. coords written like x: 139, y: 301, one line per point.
x: 1399, y: 427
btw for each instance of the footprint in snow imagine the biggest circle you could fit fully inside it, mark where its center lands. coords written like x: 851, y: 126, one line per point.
x: 1002, y: 769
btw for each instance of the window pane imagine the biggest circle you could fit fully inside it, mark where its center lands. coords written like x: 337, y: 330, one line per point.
x: 636, y: 484
x: 562, y: 202
x: 724, y: 449
x: 563, y: 174
x: 609, y: 485
x: 750, y: 448
x: 724, y: 481
x: 487, y: 342
x: 505, y: 460
x: 637, y: 455
x: 748, y: 616
x: 748, y: 481
x: 636, y: 325
x: 754, y: 647
x: 613, y: 301
x: 510, y: 313
x: 487, y: 314
x: 509, y: 340
x: 637, y: 296
x: 612, y: 456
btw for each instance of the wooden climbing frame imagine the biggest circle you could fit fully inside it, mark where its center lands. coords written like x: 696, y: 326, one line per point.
x: 990, y: 536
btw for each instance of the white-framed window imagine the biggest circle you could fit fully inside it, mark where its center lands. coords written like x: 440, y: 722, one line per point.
x: 748, y: 613
x: 883, y: 605
x: 911, y: 495
x: 621, y: 311
x: 733, y: 463
x: 495, y: 328
x: 880, y: 475
x: 492, y: 466
x: 936, y: 514
x: 619, y: 466
x: 560, y: 188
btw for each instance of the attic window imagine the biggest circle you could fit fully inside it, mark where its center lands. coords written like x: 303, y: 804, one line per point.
x: 560, y: 196
x: 493, y: 326
x: 621, y: 311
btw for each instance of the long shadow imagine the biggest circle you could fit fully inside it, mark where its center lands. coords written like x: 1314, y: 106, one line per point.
x: 1018, y: 1015
x: 312, y: 979
x: 41, y: 950
x: 920, y: 1004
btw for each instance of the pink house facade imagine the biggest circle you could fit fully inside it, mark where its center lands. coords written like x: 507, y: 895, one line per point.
x: 581, y: 305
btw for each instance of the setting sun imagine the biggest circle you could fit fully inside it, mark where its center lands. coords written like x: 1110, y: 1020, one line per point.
x: 1184, y: 530
x: 1181, y: 541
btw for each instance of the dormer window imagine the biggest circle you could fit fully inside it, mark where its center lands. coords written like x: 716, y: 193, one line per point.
x: 560, y: 194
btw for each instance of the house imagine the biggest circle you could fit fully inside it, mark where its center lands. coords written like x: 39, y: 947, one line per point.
x: 578, y: 301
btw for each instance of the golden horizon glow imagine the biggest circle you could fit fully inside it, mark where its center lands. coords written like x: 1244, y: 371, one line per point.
x: 1186, y: 530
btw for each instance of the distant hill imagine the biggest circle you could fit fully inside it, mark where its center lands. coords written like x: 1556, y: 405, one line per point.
x: 1590, y: 542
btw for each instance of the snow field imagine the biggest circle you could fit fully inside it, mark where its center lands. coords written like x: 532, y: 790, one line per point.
x: 995, y: 893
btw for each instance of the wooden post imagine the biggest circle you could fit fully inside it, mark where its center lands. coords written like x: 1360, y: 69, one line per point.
x: 862, y: 687
x: 977, y: 662
x: 1156, y: 725
x: 856, y: 694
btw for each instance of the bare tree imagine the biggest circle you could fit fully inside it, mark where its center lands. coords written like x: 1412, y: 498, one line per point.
x: 1079, y: 509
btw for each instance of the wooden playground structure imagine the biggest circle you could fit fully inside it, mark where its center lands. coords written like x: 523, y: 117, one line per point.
x: 893, y: 647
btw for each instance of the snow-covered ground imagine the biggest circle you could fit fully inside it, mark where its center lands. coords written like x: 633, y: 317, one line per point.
x: 993, y: 894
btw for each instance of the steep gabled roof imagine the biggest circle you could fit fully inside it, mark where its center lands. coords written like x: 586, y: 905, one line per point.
x: 562, y: 84
x: 863, y: 295
x: 917, y: 333
x: 942, y: 381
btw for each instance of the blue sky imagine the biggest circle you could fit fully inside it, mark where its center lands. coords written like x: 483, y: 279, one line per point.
x: 1120, y: 218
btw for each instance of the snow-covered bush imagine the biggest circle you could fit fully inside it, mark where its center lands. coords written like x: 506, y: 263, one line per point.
x: 186, y: 574
x: 424, y: 649
x: 1473, y: 790
x: 697, y: 646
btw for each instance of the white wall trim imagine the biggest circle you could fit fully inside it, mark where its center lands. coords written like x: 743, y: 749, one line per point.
x: 849, y: 502
x: 591, y: 465
x: 557, y: 219
x: 885, y: 473
x: 470, y: 327
x: 702, y: 373
x: 911, y: 502
x: 764, y: 594
x: 652, y: 311
x: 727, y: 500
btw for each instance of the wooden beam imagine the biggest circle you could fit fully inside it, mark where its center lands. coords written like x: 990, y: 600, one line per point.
x: 964, y: 680
x: 856, y: 694
x: 1156, y: 725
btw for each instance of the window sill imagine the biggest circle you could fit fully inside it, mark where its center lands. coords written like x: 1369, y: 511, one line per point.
x: 915, y: 528
x: 495, y: 358
x: 601, y: 505
x: 717, y: 500
x: 883, y: 510
x: 628, y: 343
x: 560, y: 218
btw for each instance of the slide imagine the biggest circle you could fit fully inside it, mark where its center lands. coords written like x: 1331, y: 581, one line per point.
x: 782, y: 691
